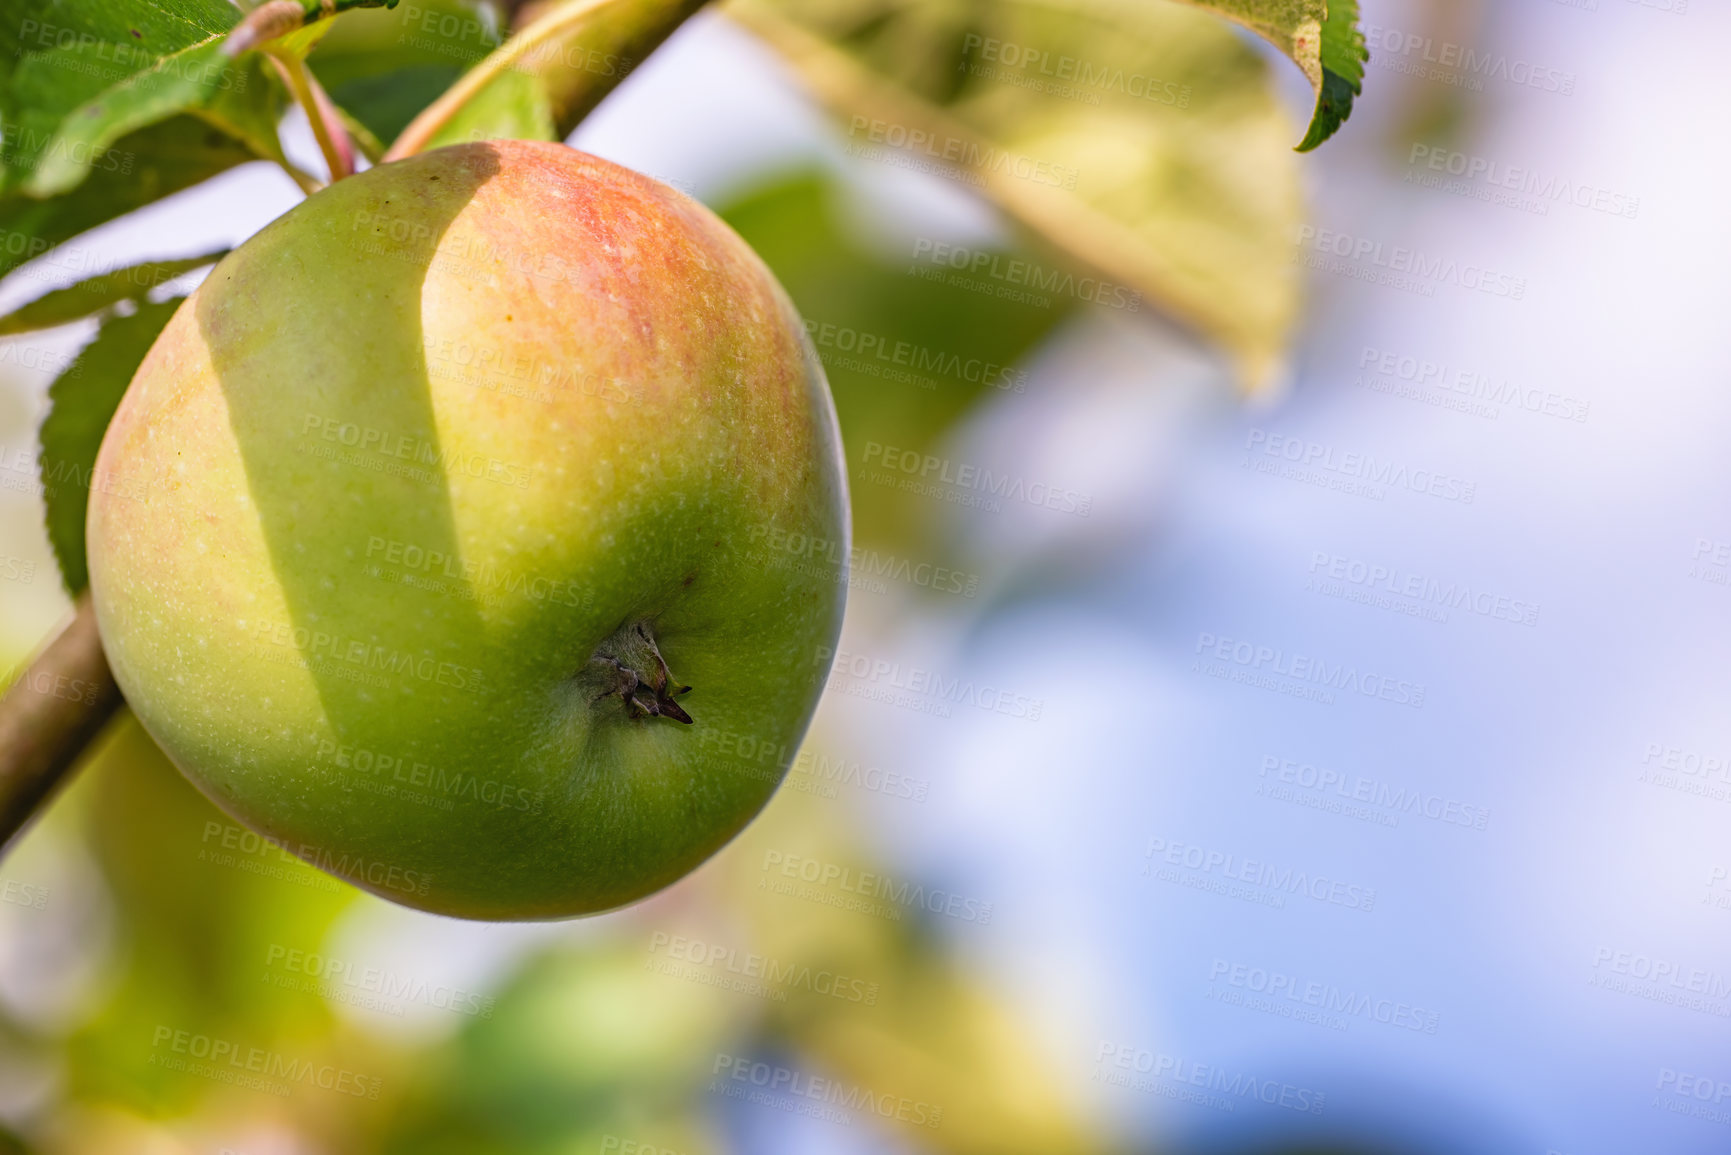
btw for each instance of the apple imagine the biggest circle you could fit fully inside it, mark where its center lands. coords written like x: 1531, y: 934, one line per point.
x: 456, y: 533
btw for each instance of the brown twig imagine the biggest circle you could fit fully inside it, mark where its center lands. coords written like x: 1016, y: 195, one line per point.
x: 50, y: 714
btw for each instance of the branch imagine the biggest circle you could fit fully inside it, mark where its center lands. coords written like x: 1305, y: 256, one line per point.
x: 50, y: 714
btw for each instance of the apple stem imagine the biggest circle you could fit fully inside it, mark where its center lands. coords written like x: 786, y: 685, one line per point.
x: 50, y: 714
x: 631, y: 667
x: 327, y: 126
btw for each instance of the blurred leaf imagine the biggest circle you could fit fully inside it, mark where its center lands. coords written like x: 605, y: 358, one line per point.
x: 147, y: 166
x: 76, y: 302
x: 542, y: 81
x: 1142, y: 140
x: 906, y: 357
x: 583, y: 1043
x: 82, y: 401
x: 929, y: 1031
x: 198, y: 903
x: 384, y: 66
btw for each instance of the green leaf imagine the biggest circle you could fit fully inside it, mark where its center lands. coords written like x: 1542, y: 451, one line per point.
x: 384, y: 66
x: 236, y: 96
x: 237, y: 93
x: 1143, y: 141
x: 141, y: 169
x: 76, y: 302
x: 513, y: 106
x: 82, y: 401
x: 1322, y: 37
x: 109, y: 105
x: 542, y: 81
x: 1343, y: 60
x: 88, y: 72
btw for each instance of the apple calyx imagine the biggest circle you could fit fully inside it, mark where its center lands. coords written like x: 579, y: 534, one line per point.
x: 631, y: 667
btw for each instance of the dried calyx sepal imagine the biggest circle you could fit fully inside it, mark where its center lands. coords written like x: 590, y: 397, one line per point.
x: 630, y: 666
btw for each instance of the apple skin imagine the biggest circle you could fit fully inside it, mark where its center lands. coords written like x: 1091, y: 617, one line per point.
x: 396, y: 473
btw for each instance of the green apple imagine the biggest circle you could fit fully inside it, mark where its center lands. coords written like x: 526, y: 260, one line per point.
x: 451, y: 533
